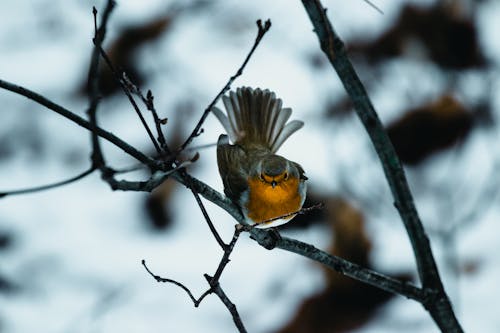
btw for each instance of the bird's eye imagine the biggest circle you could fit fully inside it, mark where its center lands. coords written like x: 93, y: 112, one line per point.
x: 285, y: 176
x: 261, y: 176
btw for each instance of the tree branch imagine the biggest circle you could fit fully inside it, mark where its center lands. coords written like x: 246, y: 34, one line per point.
x: 93, y: 83
x: 49, y: 186
x: 127, y: 87
x: 262, y: 29
x: 212, y: 281
x: 152, y: 164
x: 149, y: 102
x: 333, y: 47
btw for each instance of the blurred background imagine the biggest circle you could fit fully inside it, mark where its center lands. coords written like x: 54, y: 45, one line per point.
x: 70, y: 257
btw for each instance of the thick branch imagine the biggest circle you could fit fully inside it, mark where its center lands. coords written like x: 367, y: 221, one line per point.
x: 334, y: 49
x: 381, y: 281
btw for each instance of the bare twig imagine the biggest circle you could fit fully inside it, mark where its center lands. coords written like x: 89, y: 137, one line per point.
x: 207, y: 219
x: 93, y: 79
x: 371, y: 4
x: 178, y: 284
x: 228, y: 249
x: 165, y: 280
x: 49, y: 186
x: 301, y: 211
x: 260, y: 34
x: 262, y: 29
x: 148, y: 100
x: 81, y: 122
x: 216, y: 289
x: 441, y: 310
x: 127, y: 87
x: 212, y: 281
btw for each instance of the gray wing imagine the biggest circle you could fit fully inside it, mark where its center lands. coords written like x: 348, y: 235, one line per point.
x: 230, y: 159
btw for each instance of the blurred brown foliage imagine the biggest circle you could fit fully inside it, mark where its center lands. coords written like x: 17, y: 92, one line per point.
x: 447, y: 36
x: 430, y: 128
x: 123, y: 50
x: 345, y: 303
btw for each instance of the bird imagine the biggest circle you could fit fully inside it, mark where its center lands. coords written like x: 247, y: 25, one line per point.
x: 268, y: 188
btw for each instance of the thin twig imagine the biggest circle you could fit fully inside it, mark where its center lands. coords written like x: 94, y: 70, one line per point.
x: 216, y: 289
x: 207, y: 219
x: 262, y: 29
x: 148, y: 100
x: 158, y: 122
x: 371, y: 4
x: 227, y: 252
x: 124, y: 81
x: 260, y: 34
x: 93, y: 80
x: 212, y: 281
x: 210, y: 194
x: 301, y: 211
x: 165, y: 280
x: 49, y: 186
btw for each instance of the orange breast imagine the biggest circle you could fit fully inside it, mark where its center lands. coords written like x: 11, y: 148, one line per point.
x: 266, y: 202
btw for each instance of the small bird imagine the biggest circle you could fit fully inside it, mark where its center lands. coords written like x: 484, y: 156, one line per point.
x: 267, y: 187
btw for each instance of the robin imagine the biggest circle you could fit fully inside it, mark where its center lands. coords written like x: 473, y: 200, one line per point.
x: 267, y: 187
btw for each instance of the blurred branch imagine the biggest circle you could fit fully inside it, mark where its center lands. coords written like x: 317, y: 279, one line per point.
x: 49, y: 186
x: 371, y: 4
x: 333, y: 47
x: 93, y: 78
x: 262, y: 29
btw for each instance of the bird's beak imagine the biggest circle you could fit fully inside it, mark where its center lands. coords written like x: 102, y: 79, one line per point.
x: 274, y: 183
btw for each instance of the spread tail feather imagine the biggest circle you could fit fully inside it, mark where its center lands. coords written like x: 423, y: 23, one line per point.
x: 257, y: 117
